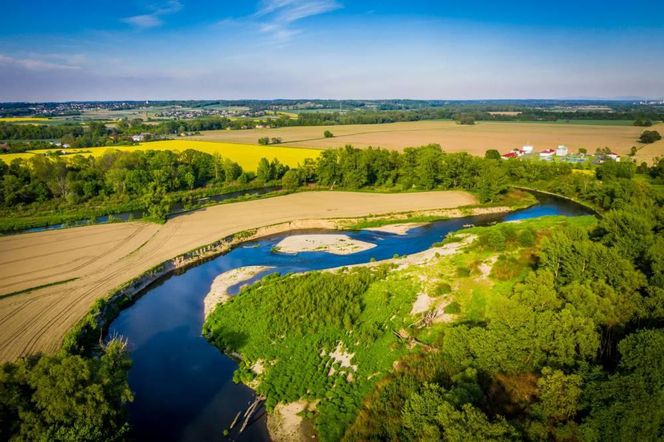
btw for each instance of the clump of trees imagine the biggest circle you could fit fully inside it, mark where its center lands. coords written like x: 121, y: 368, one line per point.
x: 642, y: 123
x: 649, y: 136
x: 264, y: 141
x: 66, y: 397
x: 148, y: 176
x: 466, y: 119
x: 328, y: 134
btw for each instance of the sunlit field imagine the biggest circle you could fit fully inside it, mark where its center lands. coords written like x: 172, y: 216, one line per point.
x: 246, y: 155
x: 22, y: 119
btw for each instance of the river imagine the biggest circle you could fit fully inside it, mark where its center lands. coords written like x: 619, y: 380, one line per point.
x: 183, y: 385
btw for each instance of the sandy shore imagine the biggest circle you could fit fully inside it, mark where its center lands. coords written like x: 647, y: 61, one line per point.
x: 397, y: 229
x: 75, y: 267
x: 337, y: 244
x: 218, y: 293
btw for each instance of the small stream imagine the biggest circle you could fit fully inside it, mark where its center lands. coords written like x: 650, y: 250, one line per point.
x: 183, y: 385
x: 177, y: 208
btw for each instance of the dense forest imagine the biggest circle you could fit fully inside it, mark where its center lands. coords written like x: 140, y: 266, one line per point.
x: 66, y: 397
x: 563, y: 341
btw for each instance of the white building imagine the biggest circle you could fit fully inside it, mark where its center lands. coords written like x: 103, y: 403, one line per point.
x: 561, y: 151
x: 527, y: 149
x: 137, y: 138
x: 613, y: 156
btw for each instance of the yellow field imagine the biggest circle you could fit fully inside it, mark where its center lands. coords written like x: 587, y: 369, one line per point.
x: 22, y: 119
x: 246, y: 155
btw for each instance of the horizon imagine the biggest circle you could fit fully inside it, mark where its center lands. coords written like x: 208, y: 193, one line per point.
x: 300, y: 99
x: 330, y: 49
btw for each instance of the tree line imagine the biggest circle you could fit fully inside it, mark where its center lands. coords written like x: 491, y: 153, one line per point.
x: 150, y: 176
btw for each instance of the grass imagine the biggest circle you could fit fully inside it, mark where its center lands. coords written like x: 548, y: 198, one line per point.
x: 246, y: 155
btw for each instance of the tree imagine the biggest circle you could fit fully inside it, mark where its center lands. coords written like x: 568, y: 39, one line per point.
x: 642, y: 123
x: 465, y: 119
x: 328, y: 134
x: 264, y: 171
x: 492, y: 154
x: 291, y: 180
x: 264, y: 141
x: 275, y: 140
x: 629, y: 404
x: 66, y: 397
x: 559, y: 395
x: 649, y: 136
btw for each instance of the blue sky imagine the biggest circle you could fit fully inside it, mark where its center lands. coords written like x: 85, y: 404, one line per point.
x: 213, y: 49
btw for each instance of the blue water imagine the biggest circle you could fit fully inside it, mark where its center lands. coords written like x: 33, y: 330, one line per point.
x: 183, y: 385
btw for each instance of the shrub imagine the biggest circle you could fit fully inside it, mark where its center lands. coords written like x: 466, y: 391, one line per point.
x: 649, y: 136
x: 442, y: 289
x: 527, y: 238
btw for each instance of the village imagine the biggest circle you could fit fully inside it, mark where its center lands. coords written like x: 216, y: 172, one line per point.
x: 561, y: 153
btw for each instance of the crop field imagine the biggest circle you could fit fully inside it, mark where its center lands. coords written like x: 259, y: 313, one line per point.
x: 246, y: 155
x: 453, y: 137
x: 49, y: 280
x: 23, y: 119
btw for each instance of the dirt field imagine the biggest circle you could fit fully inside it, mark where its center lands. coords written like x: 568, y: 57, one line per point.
x: 101, y: 258
x: 457, y: 138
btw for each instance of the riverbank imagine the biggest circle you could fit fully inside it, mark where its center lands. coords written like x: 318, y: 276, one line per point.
x: 84, y: 336
x: 363, y: 319
x: 96, y: 260
x: 218, y: 293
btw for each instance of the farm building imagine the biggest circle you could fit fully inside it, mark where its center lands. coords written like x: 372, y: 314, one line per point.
x: 510, y: 155
x: 561, y: 151
x: 547, y: 154
x: 528, y: 148
x: 613, y: 156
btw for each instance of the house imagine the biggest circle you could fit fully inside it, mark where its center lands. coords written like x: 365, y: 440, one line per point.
x: 547, y: 154
x: 561, y: 151
x: 613, y: 156
x: 137, y: 138
x: 527, y: 149
x: 510, y: 155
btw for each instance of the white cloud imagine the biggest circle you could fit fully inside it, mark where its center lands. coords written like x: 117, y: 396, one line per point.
x: 37, y: 64
x: 153, y: 18
x: 144, y: 21
x: 277, y: 16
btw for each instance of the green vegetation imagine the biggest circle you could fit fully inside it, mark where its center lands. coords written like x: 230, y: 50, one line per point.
x: 43, y: 191
x: 320, y: 314
x: 649, y: 136
x: 66, y: 397
x: 642, y: 123
x: 49, y: 190
x: 328, y: 134
x: 546, y: 329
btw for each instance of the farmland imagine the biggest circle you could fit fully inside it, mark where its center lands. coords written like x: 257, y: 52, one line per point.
x: 246, y: 155
x: 474, y: 139
x: 23, y: 120
x: 68, y: 270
